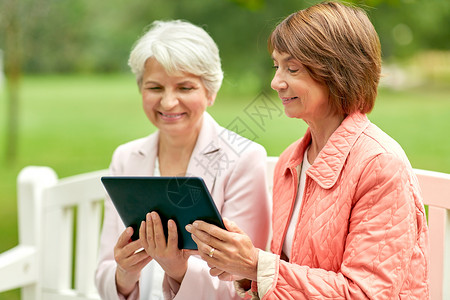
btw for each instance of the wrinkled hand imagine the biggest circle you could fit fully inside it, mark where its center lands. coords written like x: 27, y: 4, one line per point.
x: 167, y: 254
x: 234, y: 256
x: 129, y: 261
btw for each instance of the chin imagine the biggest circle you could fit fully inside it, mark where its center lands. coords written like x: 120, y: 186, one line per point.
x: 290, y: 114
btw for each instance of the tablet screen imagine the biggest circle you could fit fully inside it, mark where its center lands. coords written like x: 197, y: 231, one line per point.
x: 182, y: 199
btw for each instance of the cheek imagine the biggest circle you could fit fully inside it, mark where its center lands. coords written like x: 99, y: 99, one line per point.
x: 148, y: 99
x: 301, y: 88
x: 148, y: 103
x: 323, y: 99
x: 197, y: 102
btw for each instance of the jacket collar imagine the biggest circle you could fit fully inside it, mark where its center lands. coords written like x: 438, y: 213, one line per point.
x: 329, y: 163
x: 206, y: 151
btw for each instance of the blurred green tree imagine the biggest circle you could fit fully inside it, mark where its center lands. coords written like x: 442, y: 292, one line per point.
x: 15, y: 17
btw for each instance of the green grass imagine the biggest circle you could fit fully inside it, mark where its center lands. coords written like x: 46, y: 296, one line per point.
x: 73, y: 124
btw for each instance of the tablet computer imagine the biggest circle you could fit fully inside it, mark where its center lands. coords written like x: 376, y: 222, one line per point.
x: 182, y: 199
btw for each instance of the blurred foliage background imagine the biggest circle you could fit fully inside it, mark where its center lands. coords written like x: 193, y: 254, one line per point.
x: 62, y: 36
x: 68, y: 99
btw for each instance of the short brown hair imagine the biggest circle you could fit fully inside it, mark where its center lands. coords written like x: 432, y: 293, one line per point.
x: 339, y: 46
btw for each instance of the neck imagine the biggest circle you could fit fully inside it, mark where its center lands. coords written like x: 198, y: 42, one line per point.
x: 174, y: 153
x: 320, y: 134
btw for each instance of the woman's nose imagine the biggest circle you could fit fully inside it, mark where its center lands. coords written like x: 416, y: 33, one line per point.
x: 278, y: 83
x: 169, y: 100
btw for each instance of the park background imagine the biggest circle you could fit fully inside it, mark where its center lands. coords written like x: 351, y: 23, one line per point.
x: 68, y: 99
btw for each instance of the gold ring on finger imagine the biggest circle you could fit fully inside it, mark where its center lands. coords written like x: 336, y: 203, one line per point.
x: 211, y: 252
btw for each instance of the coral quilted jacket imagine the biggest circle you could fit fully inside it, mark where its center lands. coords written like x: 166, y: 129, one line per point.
x: 362, y: 231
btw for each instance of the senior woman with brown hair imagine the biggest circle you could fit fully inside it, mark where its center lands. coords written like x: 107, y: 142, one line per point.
x: 348, y: 218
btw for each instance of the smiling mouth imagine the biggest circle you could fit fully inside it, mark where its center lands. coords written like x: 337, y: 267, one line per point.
x: 288, y: 99
x: 171, y: 116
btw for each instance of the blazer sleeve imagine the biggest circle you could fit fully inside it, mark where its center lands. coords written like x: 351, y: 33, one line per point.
x: 383, y: 229
x: 112, y: 228
x: 246, y: 202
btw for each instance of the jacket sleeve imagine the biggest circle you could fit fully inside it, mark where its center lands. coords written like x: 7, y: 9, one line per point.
x: 246, y: 203
x: 382, y: 234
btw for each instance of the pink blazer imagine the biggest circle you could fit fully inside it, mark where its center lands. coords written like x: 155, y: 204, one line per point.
x: 362, y: 231
x: 233, y: 169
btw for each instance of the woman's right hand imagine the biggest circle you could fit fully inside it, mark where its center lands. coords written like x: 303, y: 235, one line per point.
x: 130, y: 259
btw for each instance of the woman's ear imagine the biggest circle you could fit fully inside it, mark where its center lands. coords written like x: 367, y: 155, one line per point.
x: 139, y: 85
x: 211, y: 99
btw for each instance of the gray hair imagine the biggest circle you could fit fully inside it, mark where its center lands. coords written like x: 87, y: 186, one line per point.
x: 179, y: 46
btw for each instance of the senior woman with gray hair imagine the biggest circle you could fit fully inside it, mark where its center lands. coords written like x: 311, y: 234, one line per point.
x: 178, y: 72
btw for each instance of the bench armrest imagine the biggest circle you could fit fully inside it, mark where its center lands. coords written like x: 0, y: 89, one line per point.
x: 18, y: 267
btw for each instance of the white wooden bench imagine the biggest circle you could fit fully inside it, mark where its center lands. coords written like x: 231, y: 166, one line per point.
x: 59, y: 230
x: 60, y: 221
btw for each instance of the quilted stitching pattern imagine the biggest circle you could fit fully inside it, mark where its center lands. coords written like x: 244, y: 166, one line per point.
x: 361, y: 231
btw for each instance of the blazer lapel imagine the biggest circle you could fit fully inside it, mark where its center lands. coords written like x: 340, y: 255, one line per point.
x: 142, y: 160
x: 205, y: 158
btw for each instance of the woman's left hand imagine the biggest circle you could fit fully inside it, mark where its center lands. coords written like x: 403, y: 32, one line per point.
x: 167, y: 254
x: 230, y: 254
